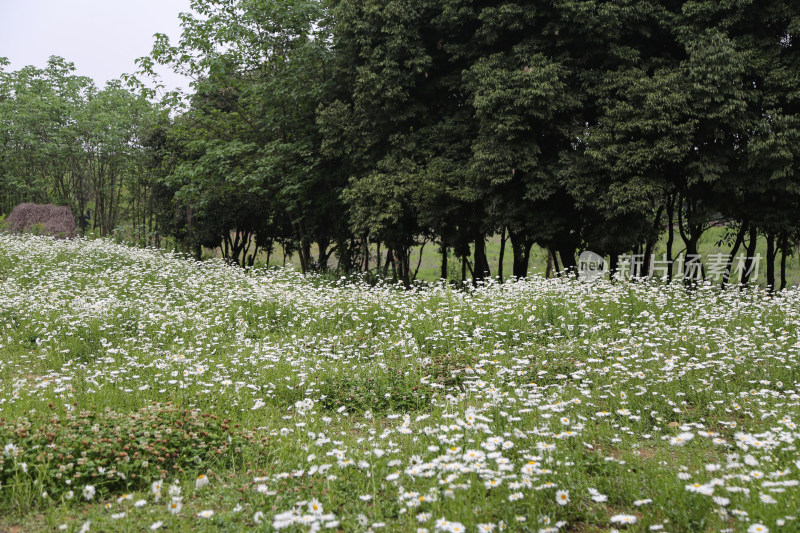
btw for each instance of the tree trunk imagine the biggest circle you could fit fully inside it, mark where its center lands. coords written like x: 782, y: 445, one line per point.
x: 390, y: 254
x: 387, y: 263
x: 613, y: 264
x: 481, y: 266
x: 365, y: 247
x: 322, y: 244
x: 650, y: 244
x: 305, y: 256
x: 751, y: 250
x: 502, y: 254
x: 691, y: 237
x: 224, y: 247
x: 556, y: 266
x: 784, y: 250
x: 252, y: 260
x: 692, y: 252
x: 771, y: 252
x: 732, y: 257
x: 344, y: 253
x: 469, y: 269
x: 521, y: 248
x: 419, y: 261
x: 443, y: 272
x: 402, y: 258
x: 670, y: 234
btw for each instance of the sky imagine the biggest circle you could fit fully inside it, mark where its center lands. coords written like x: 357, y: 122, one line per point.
x: 101, y: 37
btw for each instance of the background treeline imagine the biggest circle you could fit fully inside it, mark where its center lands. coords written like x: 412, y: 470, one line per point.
x: 63, y: 141
x: 353, y: 128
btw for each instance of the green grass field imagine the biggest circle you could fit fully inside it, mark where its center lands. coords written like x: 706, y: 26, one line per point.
x: 142, y: 391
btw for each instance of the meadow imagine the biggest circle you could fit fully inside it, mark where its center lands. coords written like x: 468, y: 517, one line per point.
x: 140, y: 390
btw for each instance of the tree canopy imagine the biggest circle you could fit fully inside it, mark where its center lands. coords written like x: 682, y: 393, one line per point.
x: 351, y: 124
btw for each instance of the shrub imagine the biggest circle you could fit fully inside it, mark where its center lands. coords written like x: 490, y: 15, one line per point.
x: 114, y: 452
x: 42, y: 219
x: 376, y: 394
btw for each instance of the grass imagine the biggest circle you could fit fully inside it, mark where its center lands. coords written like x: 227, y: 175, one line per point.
x: 140, y: 390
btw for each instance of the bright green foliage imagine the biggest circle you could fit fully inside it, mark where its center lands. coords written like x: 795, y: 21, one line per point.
x: 248, y: 145
x: 66, y: 142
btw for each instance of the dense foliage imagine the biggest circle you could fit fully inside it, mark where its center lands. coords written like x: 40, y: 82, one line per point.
x: 64, y: 141
x: 351, y: 124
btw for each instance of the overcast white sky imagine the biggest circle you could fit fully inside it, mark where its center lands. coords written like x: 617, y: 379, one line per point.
x: 102, y: 37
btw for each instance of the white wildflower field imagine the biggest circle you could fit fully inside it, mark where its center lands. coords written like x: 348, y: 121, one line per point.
x: 143, y: 391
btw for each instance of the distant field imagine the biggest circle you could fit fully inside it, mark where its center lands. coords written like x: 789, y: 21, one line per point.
x: 431, y: 258
x: 140, y: 391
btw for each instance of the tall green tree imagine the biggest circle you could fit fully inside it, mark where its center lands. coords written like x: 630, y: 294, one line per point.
x: 66, y: 142
x: 261, y: 70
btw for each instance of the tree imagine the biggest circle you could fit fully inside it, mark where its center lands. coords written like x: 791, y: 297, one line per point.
x: 261, y: 72
x: 67, y: 143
